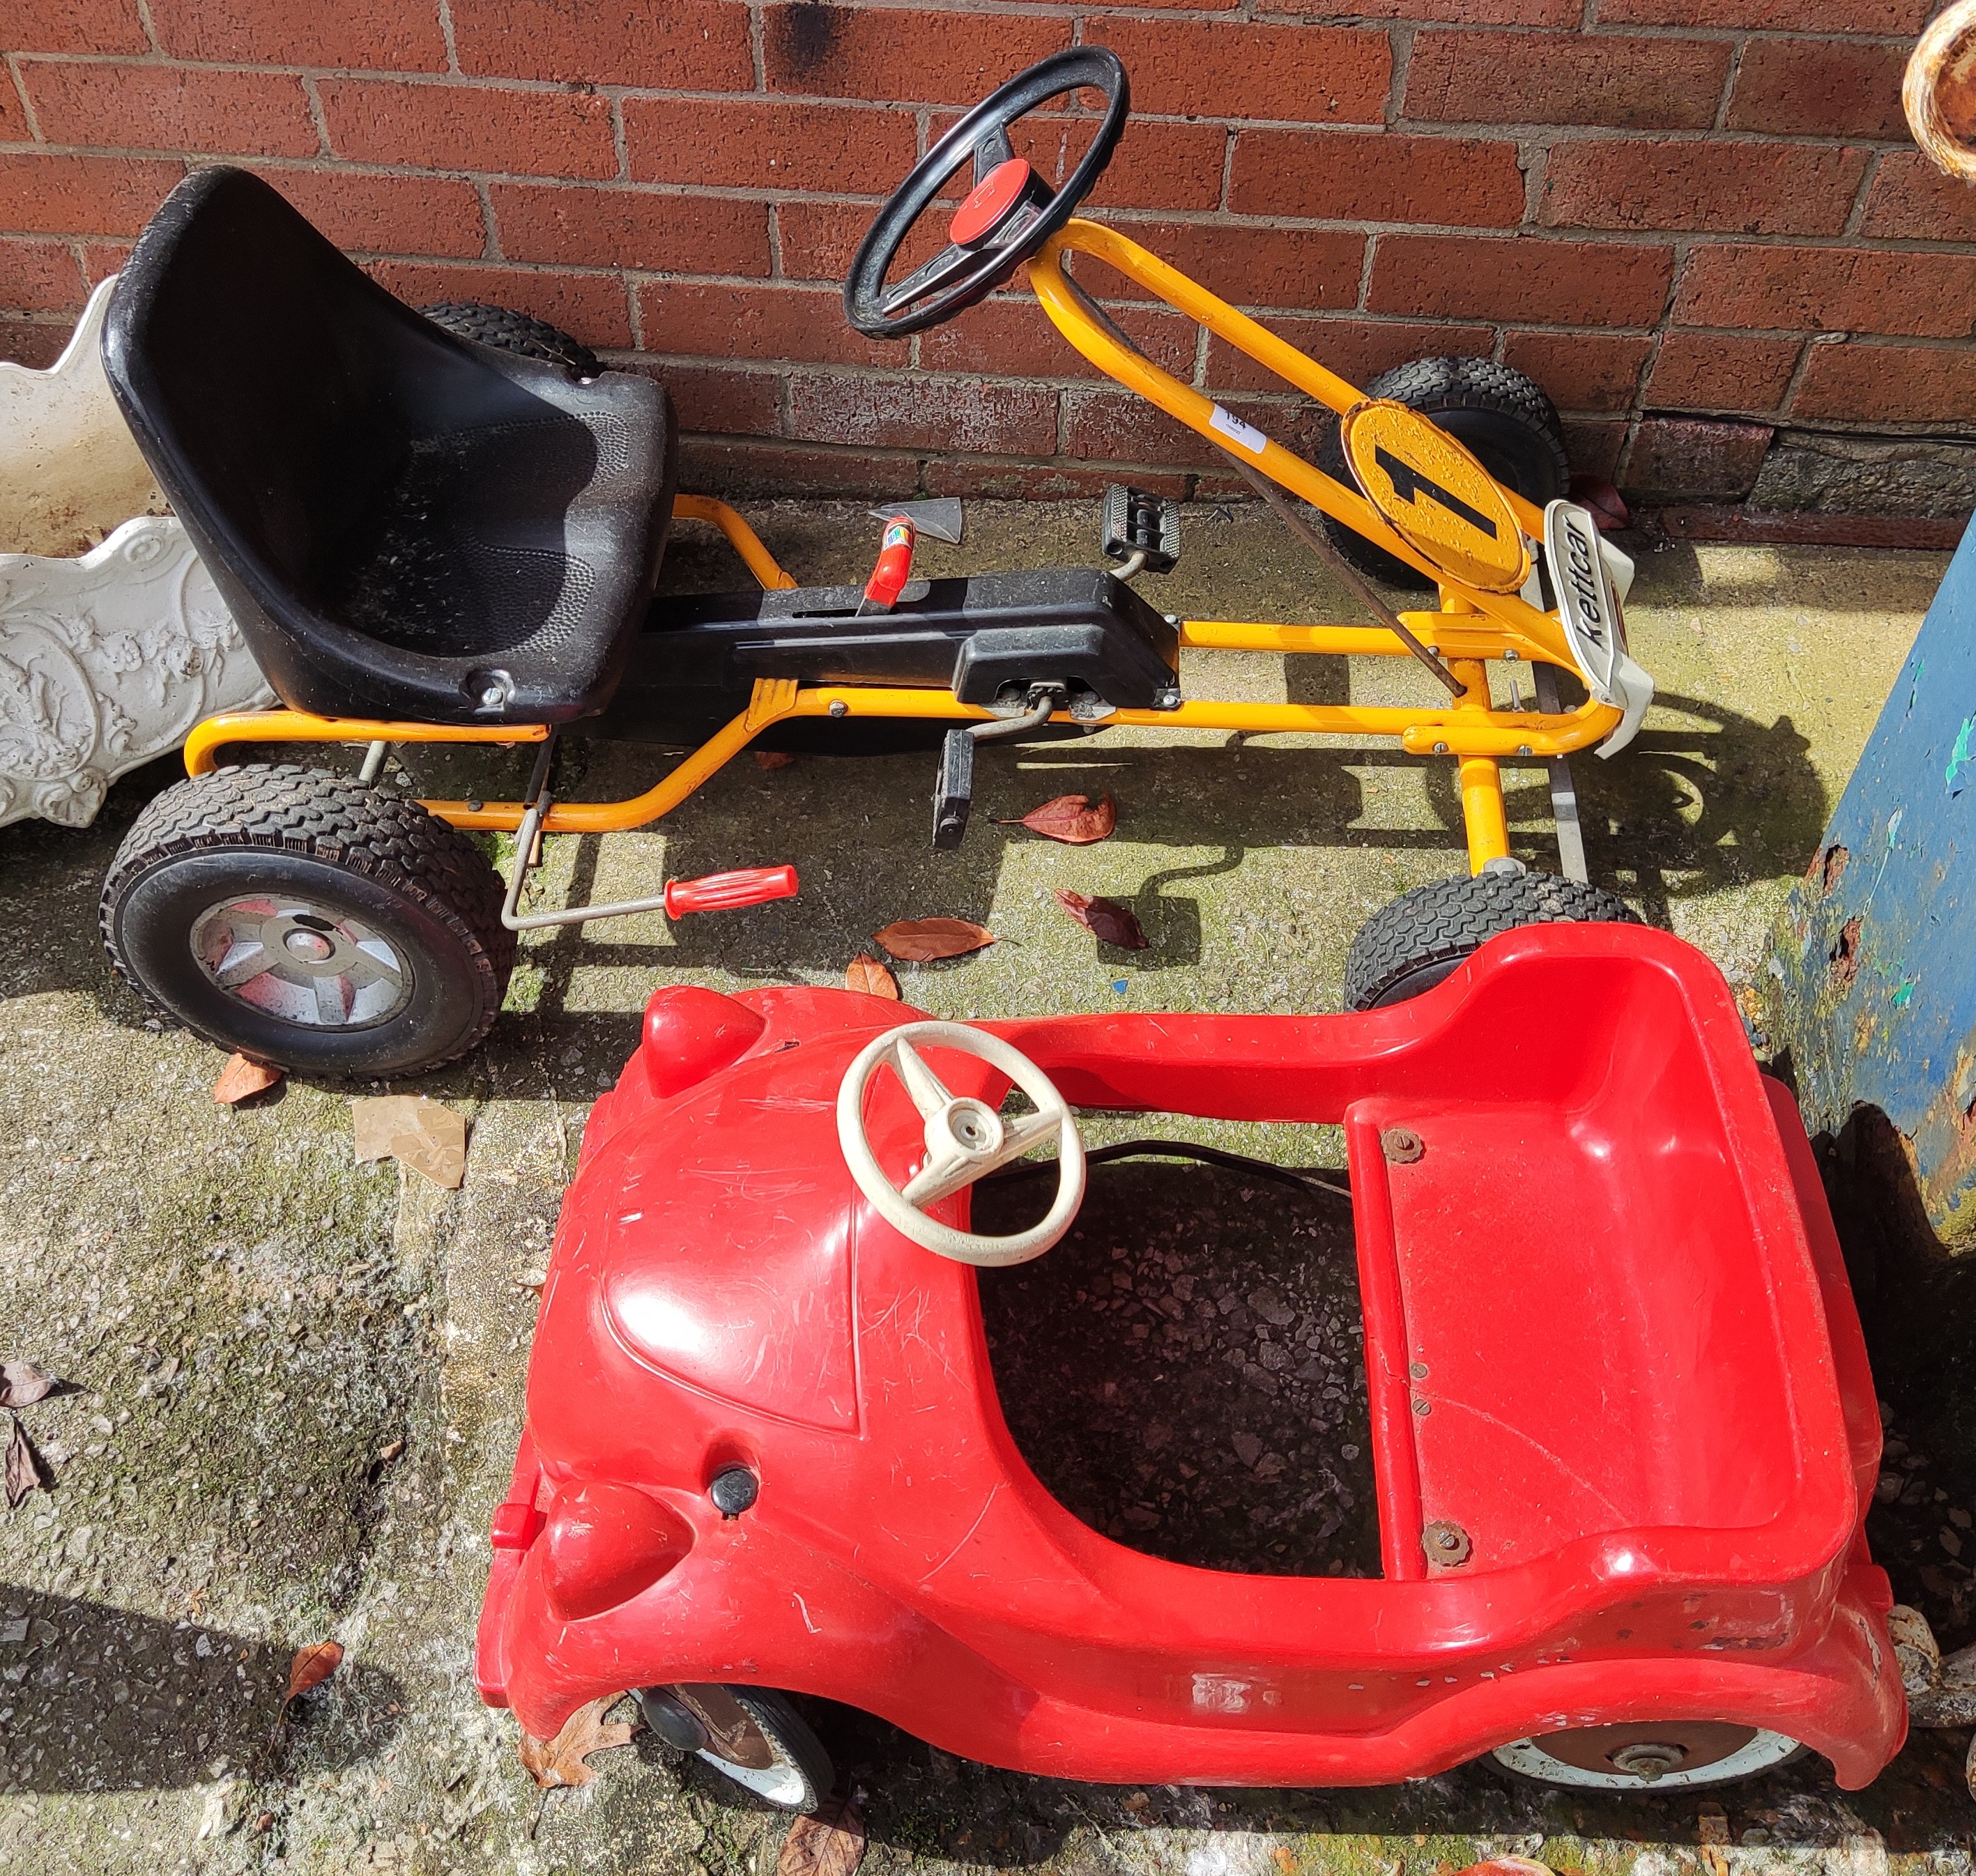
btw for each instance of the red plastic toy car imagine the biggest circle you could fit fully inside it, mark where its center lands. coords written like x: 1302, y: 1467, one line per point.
x: 1624, y: 1433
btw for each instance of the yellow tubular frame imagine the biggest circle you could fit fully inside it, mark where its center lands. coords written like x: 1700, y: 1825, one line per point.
x: 1472, y: 627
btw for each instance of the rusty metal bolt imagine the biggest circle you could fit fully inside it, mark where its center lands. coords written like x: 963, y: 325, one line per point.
x: 1445, y: 1542
x: 1401, y: 1145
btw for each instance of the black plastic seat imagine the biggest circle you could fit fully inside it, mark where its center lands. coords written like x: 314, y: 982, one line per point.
x: 407, y: 525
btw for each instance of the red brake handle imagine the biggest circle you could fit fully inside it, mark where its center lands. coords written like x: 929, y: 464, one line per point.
x: 895, y: 565
x: 721, y: 892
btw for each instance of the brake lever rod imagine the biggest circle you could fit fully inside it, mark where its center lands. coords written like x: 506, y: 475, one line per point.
x: 1360, y: 586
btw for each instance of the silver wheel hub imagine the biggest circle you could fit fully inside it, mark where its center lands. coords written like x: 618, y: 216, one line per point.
x: 1711, y: 1753
x: 314, y: 966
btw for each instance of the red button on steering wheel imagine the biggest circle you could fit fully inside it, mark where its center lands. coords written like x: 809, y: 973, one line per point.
x: 993, y: 201
x: 1008, y: 216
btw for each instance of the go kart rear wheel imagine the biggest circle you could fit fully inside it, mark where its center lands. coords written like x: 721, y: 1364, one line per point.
x: 1410, y: 945
x: 311, y: 922
x: 752, y: 1734
x: 1656, y: 1755
x: 1504, y: 419
x: 508, y: 331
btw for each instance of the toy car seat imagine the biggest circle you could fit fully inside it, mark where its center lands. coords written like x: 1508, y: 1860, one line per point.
x: 405, y: 524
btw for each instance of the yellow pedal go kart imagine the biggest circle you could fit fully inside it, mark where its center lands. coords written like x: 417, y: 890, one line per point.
x: 448, y: 529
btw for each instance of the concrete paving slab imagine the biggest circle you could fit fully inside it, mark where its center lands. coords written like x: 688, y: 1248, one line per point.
x: 296, y: 1381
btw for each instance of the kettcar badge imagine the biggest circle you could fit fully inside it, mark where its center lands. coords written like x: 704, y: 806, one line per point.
x: 1595, y: 628
x: 1434, y: 495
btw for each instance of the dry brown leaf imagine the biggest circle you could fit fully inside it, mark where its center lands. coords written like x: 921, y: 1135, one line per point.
x: 1075, y: 820
x: 866, y: 974
x: 559, y: 1761
x: 773, y: 758
x: 829, y: 1841
x: 241, y: 1078
x: 1509, y: 1866
x: 920, y: 941
x: 21, y: 1383
x: 23, y: 1467
x: 312, y: 1666
x: 1109, y: 921
x: 1608, y: 506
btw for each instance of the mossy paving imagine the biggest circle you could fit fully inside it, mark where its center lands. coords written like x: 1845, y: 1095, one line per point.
x: 252, y: 1321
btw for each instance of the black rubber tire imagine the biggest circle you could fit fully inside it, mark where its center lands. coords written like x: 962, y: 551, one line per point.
x: 422, y: 886
x: 1504, y: 419
x: 508, y: 331
x: 1407, y: 947
x: 790, y: 1737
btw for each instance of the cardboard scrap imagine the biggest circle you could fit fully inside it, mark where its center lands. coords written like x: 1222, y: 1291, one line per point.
x: 425, y: 1135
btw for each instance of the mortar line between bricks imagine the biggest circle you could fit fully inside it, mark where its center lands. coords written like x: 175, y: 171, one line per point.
x: 490, y: 229
x: 758, y: 56
x: 1856, y: 219
x: 1482, y: 130
x: 1534, y: 169
x: 1731, y: 72
x: 144, y: 20
x: 1663, y: 239
x: 1041, y: 10
x: 1812, y: 342
x: 619, y: 147
x: 1401, y: 44
x: 445, y: 34
x: 317, y: 122
x: 27, y: 104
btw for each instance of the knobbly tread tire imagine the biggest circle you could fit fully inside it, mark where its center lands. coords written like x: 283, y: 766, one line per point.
x: 1532, y: 450
x: 1407, y: 947
x: 508, y: 331
x: 284, y: 810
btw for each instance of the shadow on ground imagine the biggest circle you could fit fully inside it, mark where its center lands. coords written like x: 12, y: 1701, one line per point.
x: 98, y: 1699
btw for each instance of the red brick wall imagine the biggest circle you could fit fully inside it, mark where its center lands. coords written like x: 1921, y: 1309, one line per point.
x: 1659, y: 207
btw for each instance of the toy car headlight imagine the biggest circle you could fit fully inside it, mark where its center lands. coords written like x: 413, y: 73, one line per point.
x: 604, y: 1544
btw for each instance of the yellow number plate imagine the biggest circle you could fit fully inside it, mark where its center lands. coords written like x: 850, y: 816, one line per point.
x: 1439, y: 500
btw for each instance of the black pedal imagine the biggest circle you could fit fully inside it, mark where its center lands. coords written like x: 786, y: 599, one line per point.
x: 1138, y: 522
x: 954, y: 791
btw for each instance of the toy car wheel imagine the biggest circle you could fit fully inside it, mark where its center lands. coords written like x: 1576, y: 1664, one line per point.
x: 1656, y: 1755
x: 310, y: 922
x: 1504, y: 419
x: 752, y: 1734
x: 508, y: 331
x: 1410, y: 945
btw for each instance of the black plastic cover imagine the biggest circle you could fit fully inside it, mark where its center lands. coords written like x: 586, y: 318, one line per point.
x: 407, y: 524
x: 699, y: 656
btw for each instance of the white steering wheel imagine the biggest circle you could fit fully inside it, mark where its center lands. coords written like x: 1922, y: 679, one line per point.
x: 965, y: 1138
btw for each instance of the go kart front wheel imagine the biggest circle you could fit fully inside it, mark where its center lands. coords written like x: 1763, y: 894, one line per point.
x: 1656, y: 1755
x: 311, y: 922
x: 1410, y: 945
x: 751, y: 1735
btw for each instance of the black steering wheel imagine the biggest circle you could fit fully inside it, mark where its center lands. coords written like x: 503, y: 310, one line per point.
x: 1010, y: 213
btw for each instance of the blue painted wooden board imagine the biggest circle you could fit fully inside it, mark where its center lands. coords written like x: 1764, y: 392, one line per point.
x: 1871, y: 982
